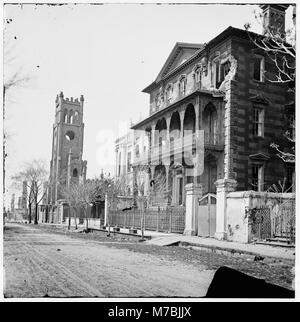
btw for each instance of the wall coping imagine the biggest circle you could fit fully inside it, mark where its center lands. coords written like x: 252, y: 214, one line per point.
x: 255, y: 194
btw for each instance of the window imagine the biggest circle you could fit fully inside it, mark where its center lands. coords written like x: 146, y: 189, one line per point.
x: 65, y: 117
x: 76, y: 116
x: 137, y: 151
x: 290, y: 179
x: 224, y: 70
x: 257, y: 177
x: 75, y: 173
x: 119, y: 164
x: 221, y: 70
x: 128, y: 161
x: 258, y: 121
x: 258, y: 69
x: 216, y: 72
x: 169, y: 92
x: 197, y: 75
x: 182, y: 85
x: 291, y: 126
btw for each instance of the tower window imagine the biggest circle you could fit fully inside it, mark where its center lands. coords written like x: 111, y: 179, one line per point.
x: 76, y: 116
x: 70, y: 135
x: 75, y: 173
x: 65, y: 116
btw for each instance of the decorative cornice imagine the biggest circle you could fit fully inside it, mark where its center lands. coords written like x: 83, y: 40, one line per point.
x: 259, y: 156
x: 259, y: 98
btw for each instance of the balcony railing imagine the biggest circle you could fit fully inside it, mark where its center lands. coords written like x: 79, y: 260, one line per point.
x: 163, y: 152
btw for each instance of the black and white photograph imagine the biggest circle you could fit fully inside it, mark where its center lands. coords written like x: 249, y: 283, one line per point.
x: 149, y: 153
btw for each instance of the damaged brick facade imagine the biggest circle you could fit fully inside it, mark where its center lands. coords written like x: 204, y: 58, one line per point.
x: 222, y: 88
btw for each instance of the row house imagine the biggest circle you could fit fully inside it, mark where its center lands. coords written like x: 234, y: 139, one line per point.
x: 213, y: 114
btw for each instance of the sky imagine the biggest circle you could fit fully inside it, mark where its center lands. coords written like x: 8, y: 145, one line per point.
x: 108, y: 53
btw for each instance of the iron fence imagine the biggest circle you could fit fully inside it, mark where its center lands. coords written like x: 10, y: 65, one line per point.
x: 276, y: 222
x: 283, y: 222
x: 167, y: 219
x: 261, y: 223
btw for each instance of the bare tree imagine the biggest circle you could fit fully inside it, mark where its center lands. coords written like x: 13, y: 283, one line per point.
x: 86, y: 194
x: 34, y: 174
x: 280, y: 48
x: 70, y: 194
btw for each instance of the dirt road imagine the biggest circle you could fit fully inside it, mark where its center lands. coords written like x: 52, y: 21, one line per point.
x: 42, y: 264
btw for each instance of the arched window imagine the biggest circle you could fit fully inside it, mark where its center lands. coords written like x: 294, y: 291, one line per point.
x: 182, y: 85
x: 65, y: 116
x: 76, y: 117
x: 169, y: 92
x: 70, y: 116
x: 197, y: 75
x: 75, y: 173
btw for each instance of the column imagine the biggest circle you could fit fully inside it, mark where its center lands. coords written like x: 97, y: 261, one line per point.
x: 106, y: 210
x: 197, y: 137
x: 152, y: 150
x: 167, y: 167
x: 197, y: 112
x: 181, y: 113
x: 174, y: 187
x: 224, y: 186
x: 152, y: 135
x: 193, y: 193
x: 166, y: 148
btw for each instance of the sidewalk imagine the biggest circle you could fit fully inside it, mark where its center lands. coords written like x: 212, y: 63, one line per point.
x: 226, y: 247
x: 211, y: 244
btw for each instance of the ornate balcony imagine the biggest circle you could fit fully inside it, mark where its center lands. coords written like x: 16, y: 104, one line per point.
x: 167, y: 150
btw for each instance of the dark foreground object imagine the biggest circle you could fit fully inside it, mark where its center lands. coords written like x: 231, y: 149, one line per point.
x: 230, y: 283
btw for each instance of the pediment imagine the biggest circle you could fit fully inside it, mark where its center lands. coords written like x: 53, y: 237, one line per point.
x: 259, y: 99
x: 259, y: 157
x: 179, y: 54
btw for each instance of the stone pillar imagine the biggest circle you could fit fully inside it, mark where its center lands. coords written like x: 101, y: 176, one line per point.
x: 193, y: 193
x: 105, y: 210
x: 224, y: 186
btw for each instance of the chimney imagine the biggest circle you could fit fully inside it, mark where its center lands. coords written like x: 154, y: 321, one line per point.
x: 274, y: 20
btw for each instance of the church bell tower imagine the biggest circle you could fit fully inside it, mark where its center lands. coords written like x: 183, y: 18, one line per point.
x: 66, y: 166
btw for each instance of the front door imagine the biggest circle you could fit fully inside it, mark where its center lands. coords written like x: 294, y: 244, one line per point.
x: 207, y: 216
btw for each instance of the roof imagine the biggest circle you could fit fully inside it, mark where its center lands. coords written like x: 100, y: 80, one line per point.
x: 179, y: 46
x: 199, y: 48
